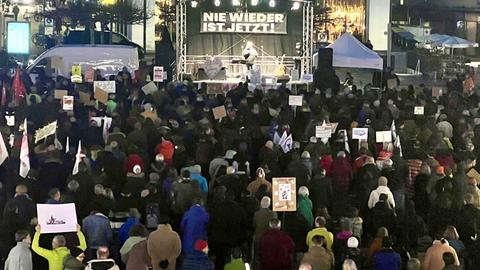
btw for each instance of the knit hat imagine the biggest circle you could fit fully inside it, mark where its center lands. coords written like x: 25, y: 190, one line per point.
x: 352, y: 242
x: 440, y: 170
x: 75, y: 251
x: 200, y: 245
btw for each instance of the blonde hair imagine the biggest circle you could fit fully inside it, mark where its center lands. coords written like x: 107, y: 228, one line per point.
x: 303, y: 190
x: 349, y: 264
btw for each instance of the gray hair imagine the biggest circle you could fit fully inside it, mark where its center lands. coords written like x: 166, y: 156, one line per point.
x: 60, y: 240
x: 265, y: 202
x: 303, y: 190
x: 99, y: 189
x: 349, y: 264
x: 275, y: 224
x: 73, y: 185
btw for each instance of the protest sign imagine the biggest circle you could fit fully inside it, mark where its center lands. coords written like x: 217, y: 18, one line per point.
x: 474, y: 174
x: 323, y: 132
x: 383, y: 136
x: 284, y: 194
x: 219, y: 112
x: 295, y: 100
x: 45, y: 131
x: 60, y: 93
x: 419, y: 110
x: 76, y: 74
x: 108, y: 86
x: 101, y: 96
x: 10, y: 120
x: 67, y: 103
x: 149, y: 88
x: 57, y: 218
x: 158, y: 74
x: 360, y: 134
x: 308, y: 78
x: 333, y: 126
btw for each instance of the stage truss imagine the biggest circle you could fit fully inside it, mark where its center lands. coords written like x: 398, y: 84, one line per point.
x: 183, y: 59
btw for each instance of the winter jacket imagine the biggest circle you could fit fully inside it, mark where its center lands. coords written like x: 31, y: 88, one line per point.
x: 19, y: 258
x: 106, y: 264
x: 71, y: 263
x: 434, y: 257
x: 319, y: 258
x: 194, y: 225
x: 375, y: 195
x: 321, y: 232
x: 387, y: 259
x: 23, y: 206
x: 167, y: 149
x: 138, y: 258
x: 128, y: 245
x: 261, y: 220
x: 55, y: 257
x: 97, y: 228
x: 197, y: 260
x: 276, y: 249
x: 164, y: 244
x: 305, y: 207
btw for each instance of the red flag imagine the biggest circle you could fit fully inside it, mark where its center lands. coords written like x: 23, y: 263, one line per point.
x: 4, y: 95
x: 18, y: 87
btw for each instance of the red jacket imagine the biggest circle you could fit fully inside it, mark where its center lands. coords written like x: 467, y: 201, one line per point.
x: 166, y: 148
x: 326, y: 163
x: 341, y: 174
x: 276, y: 250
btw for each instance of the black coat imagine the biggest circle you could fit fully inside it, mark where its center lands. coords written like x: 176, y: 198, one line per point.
x: 228, y: 224
x: 321, y: 192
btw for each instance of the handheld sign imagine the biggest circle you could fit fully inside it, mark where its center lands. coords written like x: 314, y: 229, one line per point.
x: 295, y: 100
x: 67, y: 103
x: 107, y: 86
x: 323, y: 132
x: 284, y: 194
x: 383, y: 136
x: 219, y: 112
x: 360, y: 133
x: 57, y: 218
x: 158, y: 74
x: 419, y: 110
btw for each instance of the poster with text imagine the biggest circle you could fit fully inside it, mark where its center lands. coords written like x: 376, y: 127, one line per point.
x: 57, y: 218
x: 284, y: 194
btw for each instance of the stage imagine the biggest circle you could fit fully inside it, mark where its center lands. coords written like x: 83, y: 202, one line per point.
x: 223, y: 86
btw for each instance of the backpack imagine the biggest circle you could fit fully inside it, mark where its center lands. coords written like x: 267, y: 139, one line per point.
x: 152, y: 213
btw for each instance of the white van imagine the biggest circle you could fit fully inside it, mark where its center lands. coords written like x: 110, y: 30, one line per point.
x: 109, y: 59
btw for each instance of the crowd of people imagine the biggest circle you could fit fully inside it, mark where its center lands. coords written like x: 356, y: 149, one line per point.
x: 168, y: 186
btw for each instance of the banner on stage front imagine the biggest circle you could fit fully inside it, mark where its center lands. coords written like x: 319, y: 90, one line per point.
x: 284, y: 194
x: 57, y: 218
x: 243, y: 22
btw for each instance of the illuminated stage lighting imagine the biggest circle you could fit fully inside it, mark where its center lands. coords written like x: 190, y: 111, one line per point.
x: 194, y: 3
x: 272, y: 3
x: 254, y: 2
x: 236, y: 3
x: 217, y: 3
x: 296, y: 6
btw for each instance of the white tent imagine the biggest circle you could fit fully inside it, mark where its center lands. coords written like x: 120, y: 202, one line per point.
x: 457, y: 43
x: 351, y: 53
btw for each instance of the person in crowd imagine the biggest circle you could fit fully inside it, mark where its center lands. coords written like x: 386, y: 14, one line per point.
x: 194, y: 226
x: 236, y: 260
x: 434, y: 256
x: 381, y: 189
x: 21, y: 204
x: 275, y: 248
x: 318, y: 256
x: 133, y: 218
x: 20, y: 256
x: 135, y: 254
x: 449, y: 261
x: 262, y: 217
x: 59, y: 251
x: 387, y: 258
x: 136, y: 235
x: 97, y: 229
x: 320, y: 189
x: 164, y: 246
x: 198, y: 259
x: 377, y: 243
x: 259, y: 180
x: 304, y: 205
x: 102, y: 261
x: 322, y: 231
x: 74, y: 261
x: 55, y: 196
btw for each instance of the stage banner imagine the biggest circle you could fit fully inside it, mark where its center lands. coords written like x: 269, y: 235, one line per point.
x: 242, y: 22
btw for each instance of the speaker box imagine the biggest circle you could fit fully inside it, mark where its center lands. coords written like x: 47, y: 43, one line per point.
x: 325, y: 58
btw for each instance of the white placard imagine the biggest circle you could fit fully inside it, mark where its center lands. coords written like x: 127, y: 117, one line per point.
x: 383, y: 136
x: 323, y: 132
x: 295, y: 100
x: 158, y: 74
x: 360, y: 133
x: 307, y: 78
x: 67, y: 103
x: 107, y: 86
x: 419, y: 110
x: 10, y: 120
x: 57, y: 218
x: 149, y: 88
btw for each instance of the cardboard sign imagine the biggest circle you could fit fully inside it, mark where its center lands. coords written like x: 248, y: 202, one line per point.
x: 295, y: 100
x: 284, y: 194
x: 84, y: 97
x: 149, y: 88
x: 107, y: 86
x: 333, y: 126
x: 59, y: 94
x: 76, y: 74
x: 45, y: 131
x: 219, y: 112
x: 67, y: 103
x: 360, y: 134
x: 383, y: 136
x: 419, y: 110
x: 323, y: 132
x: 158, y: 74
x: 57, y: 218
x: 392, y: 83
x: 308, y: 78
x: 101, y: 96
x: 90, y: 75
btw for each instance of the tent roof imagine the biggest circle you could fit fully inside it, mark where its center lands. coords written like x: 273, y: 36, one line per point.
x: 350, y: 52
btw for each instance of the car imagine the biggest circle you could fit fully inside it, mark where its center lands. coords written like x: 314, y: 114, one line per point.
x: 83, y: 37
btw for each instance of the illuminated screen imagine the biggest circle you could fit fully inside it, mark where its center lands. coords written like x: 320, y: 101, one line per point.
x: 346, y: 16
x: 18, y: 37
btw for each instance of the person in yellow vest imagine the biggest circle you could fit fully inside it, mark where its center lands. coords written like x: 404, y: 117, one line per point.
x: 59, y: 251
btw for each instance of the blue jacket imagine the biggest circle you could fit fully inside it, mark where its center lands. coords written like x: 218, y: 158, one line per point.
x: 202, y: 182
x: 194, y: 226
x: 387, y: 259
x: 97, y: 230
x: 197, y: 261
x: 125, y: 228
